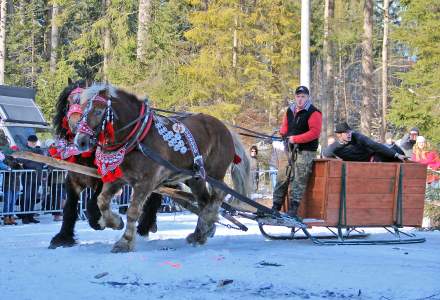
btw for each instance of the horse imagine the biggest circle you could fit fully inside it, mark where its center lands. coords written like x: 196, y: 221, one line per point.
x: 122, y: 126
x: 68, y: 113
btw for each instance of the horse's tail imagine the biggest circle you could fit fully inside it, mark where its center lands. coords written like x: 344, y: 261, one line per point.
x: 241, y: 167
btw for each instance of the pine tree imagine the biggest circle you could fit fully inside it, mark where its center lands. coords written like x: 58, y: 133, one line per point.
x: 417, y: 101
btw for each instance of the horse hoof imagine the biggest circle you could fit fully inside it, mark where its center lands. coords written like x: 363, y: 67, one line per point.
x: 195, y: 239
x: 142, y: 231
x: 61, y: 240
x: 121, y: 247
x: 95, y: 224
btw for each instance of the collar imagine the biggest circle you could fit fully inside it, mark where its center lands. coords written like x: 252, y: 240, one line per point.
x: 307, y: 105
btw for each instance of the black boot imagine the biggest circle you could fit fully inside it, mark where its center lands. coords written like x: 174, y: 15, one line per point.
x: 276, y: 206
x: 293, y: 209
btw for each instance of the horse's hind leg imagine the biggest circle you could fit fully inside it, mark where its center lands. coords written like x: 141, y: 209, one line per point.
x: 209, y: 203
x: 109, y: 218
x: 147, y: 220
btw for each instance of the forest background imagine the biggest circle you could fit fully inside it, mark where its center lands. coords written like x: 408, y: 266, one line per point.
x: 375, y: 64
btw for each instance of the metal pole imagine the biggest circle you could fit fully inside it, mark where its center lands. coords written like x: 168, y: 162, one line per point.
x: 305, y: 43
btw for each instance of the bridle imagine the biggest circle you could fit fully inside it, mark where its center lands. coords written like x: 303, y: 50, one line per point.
x: 105, y: 131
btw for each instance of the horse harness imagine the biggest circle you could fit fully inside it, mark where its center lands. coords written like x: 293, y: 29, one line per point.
x: 110, y: 156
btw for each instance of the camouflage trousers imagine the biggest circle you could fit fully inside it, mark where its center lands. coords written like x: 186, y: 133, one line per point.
x: 297, y: 176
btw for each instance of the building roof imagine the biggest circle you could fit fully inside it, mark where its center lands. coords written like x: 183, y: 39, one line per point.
x: 17, y: 105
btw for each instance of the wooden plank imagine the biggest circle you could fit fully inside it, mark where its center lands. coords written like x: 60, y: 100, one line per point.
x: 362, y: 217
x: 72, y: 167
x: 335, y: 168
x: 319, y: 168
x: 413, y: 201
x: 370, y: 186
x: 414, y: 186
x: 414, y: 170
x: 61, y: 164
x: 412, y: 217
x: 371, y: 170
x: 362, y: 201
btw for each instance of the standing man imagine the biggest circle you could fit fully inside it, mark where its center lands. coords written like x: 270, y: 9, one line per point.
x: 301, y: 126
x: 407, y: 142
x: 31, y: 181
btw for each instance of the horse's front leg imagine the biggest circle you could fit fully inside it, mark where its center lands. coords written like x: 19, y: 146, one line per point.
x: 109, y: 218
x: 126, y: 243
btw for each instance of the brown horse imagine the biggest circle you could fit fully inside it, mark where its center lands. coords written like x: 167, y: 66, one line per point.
x: 103, y: 104
x: 68, y: 113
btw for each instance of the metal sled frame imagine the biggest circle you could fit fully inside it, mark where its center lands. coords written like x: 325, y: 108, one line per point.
x: 344, y: 234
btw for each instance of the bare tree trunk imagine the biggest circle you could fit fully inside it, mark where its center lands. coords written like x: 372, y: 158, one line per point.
x: 2, y: 40
x: 386, y: 21
x: 54, y: 38
x: 144, y: 19
x: 329, y: 80
x: 367, y: 69
x: 235, y: 43
x: 107, y: 41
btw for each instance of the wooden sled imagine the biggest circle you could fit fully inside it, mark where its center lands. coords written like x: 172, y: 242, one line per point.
x: 344, y: 196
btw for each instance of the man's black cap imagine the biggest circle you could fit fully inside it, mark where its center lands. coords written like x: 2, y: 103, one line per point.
x: 415, y: 129
x: 342, y: 127
x: 302, y: 90
x: 32, y: 138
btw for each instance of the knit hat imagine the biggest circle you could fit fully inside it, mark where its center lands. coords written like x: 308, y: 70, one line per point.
x: 342, y: 127
x: 420, y: 139
x: 32, y: 138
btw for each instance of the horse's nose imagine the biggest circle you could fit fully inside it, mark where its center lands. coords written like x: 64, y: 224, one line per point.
x: 81, y: 143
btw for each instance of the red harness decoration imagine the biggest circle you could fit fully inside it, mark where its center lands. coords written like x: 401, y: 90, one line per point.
x: 109, y: 163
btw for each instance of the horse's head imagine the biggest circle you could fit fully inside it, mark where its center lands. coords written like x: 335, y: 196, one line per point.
x: 68, y: 112
x: 96, y: 114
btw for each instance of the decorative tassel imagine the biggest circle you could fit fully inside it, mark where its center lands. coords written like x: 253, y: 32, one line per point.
x: 86, y: 154
x: 112, y: 175
x: 237, y: 159
x: 53, y: 152
x: 101, y: 138
x: 71, y: 159
x: 110, y: 131
x: 65, y: 123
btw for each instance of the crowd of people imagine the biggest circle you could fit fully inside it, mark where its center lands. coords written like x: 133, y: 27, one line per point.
x: 25, y: 189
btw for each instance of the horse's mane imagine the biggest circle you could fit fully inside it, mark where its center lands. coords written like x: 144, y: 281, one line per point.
x: 62, y: 107
x: 106, y: 90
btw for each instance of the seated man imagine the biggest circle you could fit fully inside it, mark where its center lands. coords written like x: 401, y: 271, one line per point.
x: 354, y: 146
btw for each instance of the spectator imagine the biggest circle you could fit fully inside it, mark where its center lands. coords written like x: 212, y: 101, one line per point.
x: 255, y: 167
x: 354, y: 146
x: 390, y: 143
x: 424, y: 154
x: 11, y: 188
x: 57, y: 195
x: 406, y: 143
x: 31, y: 181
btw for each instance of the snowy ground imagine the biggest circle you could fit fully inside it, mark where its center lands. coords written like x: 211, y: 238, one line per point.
x: 233, y: 265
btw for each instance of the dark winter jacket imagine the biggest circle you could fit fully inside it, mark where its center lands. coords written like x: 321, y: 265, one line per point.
x: 360, y: 148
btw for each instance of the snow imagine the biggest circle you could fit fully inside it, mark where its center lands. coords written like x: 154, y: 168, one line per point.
x: 232, y: 265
